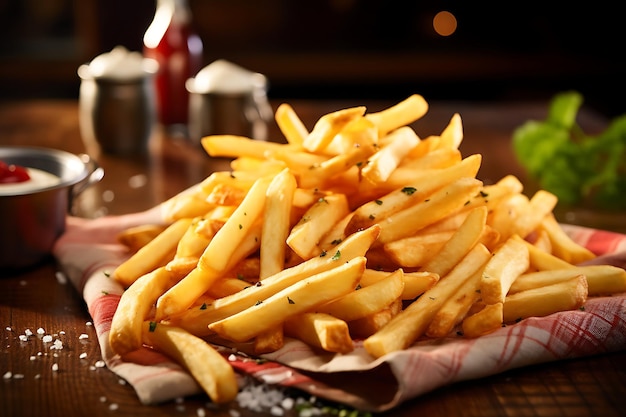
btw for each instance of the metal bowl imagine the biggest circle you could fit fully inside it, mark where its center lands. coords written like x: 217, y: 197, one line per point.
x: 32, y: 219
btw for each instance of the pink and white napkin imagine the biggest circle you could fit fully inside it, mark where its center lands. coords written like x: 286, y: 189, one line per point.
x: 88, y: 252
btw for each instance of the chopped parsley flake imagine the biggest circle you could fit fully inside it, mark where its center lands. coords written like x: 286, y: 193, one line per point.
x: 290, y: 301
x: 336, y: 256
x: 153, y: 325
x: 409, y: 190
x: 203, y: 306
x: 379, y: 202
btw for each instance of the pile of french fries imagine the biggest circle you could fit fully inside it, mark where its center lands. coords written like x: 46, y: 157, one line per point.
x: 356, y: 229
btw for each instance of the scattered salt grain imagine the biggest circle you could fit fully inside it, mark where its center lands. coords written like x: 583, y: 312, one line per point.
x: 55, y: 367
x: 103, y: 399
x: 41, y: 331
x: 89, y: 323
x: 28, y: 332
x: 23, y: 338
x: 83, y: 355
x: 18, y: 376
x: 33, y: 357
x: 232, y: 358
x: 99, y: 364
x: 61, y: 277
x: 47, y: 338
x: 121, y: 381
x: 7, y: 375
x: 234, y: 413
x: 113, y: 406
x: 57, y: 345
x: 8, y: 329
x: 277, y: 411
x: 37, y: 376
x: 200, y: 412
x: 83, y: 336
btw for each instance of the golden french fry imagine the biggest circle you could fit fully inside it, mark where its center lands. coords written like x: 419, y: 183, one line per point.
x: 328, y: 126
x: 508, y: 262
x: 186, y: 291
x: 381, y: 165
x: 542, y: 301
x: 416, y: 251
x: 401, y: 114
x: 269, y: 340
x: 134, y: 307
x: 367, y: 326
x: 540, y: 205
x: 320, y: 330
x: 231, y: 146
x: 208, y: 367
x: 366, y: 300
x: 542, y: 260
x: 305, y: 236
x: 456, y: 307
x: 218, y: 253
x: 460, y: 242
x: 452, y: 135
x: 290, y: 124
x: 276, y: 223
x: 411, y: 323
x: 601, y: 279
x: 424, y: 212
x: 298, y: 298
x: 562, y: 245
x: 137, y: 237
x: 158, y: 252
x: 483, y: 322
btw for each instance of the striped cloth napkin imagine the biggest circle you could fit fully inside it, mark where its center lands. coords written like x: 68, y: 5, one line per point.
x: 88, y: 252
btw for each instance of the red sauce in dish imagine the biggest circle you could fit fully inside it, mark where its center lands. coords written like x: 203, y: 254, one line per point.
x: 11, y: 173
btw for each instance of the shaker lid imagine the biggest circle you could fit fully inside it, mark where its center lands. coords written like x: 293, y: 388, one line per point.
x: 224, y: 77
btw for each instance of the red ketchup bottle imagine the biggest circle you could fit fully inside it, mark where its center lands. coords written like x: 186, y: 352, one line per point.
x: 172, y: 42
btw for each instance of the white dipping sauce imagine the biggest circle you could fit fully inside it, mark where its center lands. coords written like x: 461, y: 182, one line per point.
x: 39, y: 180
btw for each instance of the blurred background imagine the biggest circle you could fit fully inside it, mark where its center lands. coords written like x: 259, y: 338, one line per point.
x: 344, y: 49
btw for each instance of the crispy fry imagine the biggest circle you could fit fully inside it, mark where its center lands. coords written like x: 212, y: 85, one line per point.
x: 208, y: 367
x: 320, y: 330
x: 137, y: 237
x: 562, y: 245
x: 158, y: 252
x: 134, y: 307
x: 290, y: 124
x: 367, y: 300
x: 542, y: 301
x: 508, y: 262
x: 483, y: 322
x: 401, y: 114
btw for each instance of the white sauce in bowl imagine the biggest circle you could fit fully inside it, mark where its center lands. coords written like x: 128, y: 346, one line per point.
x: 39, y: 180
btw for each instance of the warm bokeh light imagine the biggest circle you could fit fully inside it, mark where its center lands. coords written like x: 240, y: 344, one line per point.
x: 444, y: 23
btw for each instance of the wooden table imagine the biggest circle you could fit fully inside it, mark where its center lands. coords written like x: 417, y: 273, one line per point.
x: 35, y: 298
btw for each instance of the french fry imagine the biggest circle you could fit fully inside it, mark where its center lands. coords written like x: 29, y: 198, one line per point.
x: 508, y: 262
x: 135, y: 238
x: 441, y: 203
x: 269, y: 340
x: 416, y: 251
x: 306, y: 236
x: 411, y: 323
x: 298, y: 298
x: 367, y: 326
x: 328, y: 126
x: 456, y: 307
x: 381, y: 165
x: 542, y: 301
x: 134, y: 307
x: 483, y: 322
x: 459, y: 243
x: 366, y: 300
x: 208, y: 367
x: 276, y: 223
x: 320, y: 330
x: 562, y: 245
x: 401, y: 114
x: 542, y: 260
x: 601, y: 279
x: 231, y: 146
x: 158, y: 252
x: 290, y: 124
x: 452, y: 135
